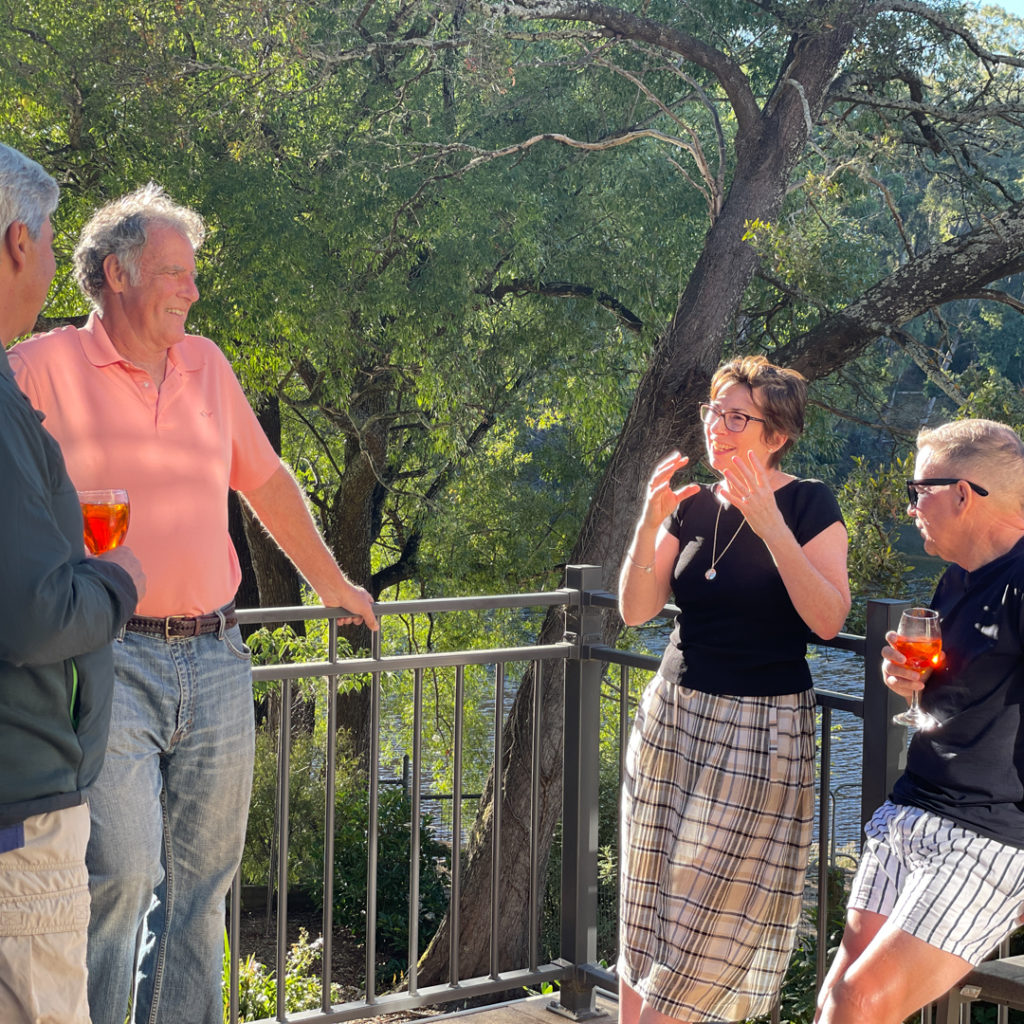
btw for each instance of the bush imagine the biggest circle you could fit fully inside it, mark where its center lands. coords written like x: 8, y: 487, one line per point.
x: 393, y: 855
x: 306, y: 805
x: 306, y: 849
x: 257, y: 985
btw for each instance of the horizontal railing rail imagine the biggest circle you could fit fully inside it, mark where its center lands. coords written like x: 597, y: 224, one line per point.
x: 586, y: 663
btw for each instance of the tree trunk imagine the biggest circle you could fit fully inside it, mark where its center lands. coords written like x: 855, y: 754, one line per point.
x: 277, y: 581
x: 663, y: 416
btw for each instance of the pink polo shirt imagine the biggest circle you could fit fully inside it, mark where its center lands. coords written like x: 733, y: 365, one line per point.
x: 176, y: 450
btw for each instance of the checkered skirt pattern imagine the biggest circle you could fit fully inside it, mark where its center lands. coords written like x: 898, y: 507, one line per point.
x: 717, y: 813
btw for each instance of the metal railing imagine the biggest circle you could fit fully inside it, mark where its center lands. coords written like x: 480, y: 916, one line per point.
x: 586, y: 661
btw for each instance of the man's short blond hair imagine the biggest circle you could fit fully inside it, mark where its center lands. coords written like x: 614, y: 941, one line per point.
x: 988, y: 453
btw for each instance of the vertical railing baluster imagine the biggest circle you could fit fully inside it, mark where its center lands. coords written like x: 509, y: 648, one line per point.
x: 625, y: 727
x: 414, y: 830
x: 373, y: 806
x: 329, y: 793
x: 234, y: 933
x: 536, y: 882
x: 824, y: 781
x: 580, y: 786
x: 453, y: 903
x: 496, y: 800
x: 284, y: 765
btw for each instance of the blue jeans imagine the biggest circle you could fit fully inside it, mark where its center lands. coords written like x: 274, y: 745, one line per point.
x: 169, y: 813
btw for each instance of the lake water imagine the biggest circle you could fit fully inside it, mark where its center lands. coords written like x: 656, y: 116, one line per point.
x: 843, y: 672
x: 840, y: 671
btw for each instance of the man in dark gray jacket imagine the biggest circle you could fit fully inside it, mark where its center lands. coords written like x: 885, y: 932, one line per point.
x: 59, y: 610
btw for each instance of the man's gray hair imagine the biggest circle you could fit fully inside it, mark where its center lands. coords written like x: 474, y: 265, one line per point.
x: 121, y: 229
x: 988, y: 453
x: 27, y: 193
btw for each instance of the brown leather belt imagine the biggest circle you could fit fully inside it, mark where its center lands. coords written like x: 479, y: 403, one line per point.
x: 180, y: 627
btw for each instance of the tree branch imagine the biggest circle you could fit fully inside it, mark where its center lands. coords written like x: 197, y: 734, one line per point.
x: 951, y: 28
x: 950, y: 271
x: 567, y: 290
x: 630, y: 26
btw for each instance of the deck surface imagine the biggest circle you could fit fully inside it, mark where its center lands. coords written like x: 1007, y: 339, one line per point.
x: 531, y: 1010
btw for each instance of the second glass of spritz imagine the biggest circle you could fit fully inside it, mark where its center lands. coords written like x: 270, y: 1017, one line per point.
x: 919, y: 640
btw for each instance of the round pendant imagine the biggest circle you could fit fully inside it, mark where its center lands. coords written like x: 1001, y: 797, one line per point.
x: 710, y: 574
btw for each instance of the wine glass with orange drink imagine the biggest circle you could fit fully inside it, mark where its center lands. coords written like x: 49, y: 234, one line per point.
x: 919, y: 640
x: 104, y: 518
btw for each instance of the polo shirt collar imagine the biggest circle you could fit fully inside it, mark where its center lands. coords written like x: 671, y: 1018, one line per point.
x: 5, y: 365
x: 100, y: 351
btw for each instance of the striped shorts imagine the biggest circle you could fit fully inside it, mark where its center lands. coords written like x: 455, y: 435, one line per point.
x: 946, y: 885
x: 717, y: 812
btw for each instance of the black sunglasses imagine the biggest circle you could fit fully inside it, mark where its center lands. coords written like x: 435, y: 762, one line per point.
x: 939, y: 481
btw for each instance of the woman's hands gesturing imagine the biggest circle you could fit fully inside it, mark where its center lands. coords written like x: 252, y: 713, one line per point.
x: 661, y: 500
x: 748, y: 486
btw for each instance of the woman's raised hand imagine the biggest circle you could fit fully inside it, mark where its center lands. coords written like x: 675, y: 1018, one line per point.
x: 661, y: 500
x: 748, y: 487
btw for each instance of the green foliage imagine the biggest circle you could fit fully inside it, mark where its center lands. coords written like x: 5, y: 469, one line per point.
x: 817, y: 249
x: 306, y: 805
x: 800, y: 986
x: 258, y: 986
x: 284, y: 646
x: 306, y: 848
x: 449, y: 348
x: 993, y: 396
x: 874, y: 505
x: 393, y: 863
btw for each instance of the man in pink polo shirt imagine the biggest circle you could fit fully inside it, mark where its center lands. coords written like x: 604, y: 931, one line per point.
x: 137, y: 403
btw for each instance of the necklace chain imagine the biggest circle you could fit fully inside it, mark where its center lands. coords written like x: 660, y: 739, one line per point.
x: 715, y: 557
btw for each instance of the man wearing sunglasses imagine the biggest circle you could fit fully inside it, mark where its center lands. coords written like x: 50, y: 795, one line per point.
x: 941, y: 878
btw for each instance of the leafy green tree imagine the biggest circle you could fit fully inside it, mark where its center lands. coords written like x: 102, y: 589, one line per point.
x: 481, y: 259
x: 892, y: 83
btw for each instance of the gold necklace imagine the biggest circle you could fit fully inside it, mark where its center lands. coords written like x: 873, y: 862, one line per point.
x: 715, y: 558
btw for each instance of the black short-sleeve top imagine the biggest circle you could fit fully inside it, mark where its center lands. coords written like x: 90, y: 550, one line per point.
x: 739, y: 633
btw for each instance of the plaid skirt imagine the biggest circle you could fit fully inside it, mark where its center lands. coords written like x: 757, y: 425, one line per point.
x: 717, y: 814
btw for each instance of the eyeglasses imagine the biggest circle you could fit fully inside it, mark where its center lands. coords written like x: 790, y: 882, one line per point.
x: 735, y: 422
x: 939, y: 481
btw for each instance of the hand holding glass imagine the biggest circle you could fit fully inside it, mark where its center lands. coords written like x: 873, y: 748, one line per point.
x: 104, y: 519
x: 919, y: 640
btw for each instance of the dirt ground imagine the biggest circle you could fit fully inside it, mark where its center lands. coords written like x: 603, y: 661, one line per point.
x: 258, y: 937
x: 348, y: 959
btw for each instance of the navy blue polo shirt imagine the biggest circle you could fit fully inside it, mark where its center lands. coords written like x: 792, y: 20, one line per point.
x: 971, y: 768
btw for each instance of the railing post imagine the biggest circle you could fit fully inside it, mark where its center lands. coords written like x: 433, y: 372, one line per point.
x: 884, y: 744
x: 581, y: 752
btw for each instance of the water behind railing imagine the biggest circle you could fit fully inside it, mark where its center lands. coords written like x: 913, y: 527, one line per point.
x: 838, y: 671
x: 843, y: 672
